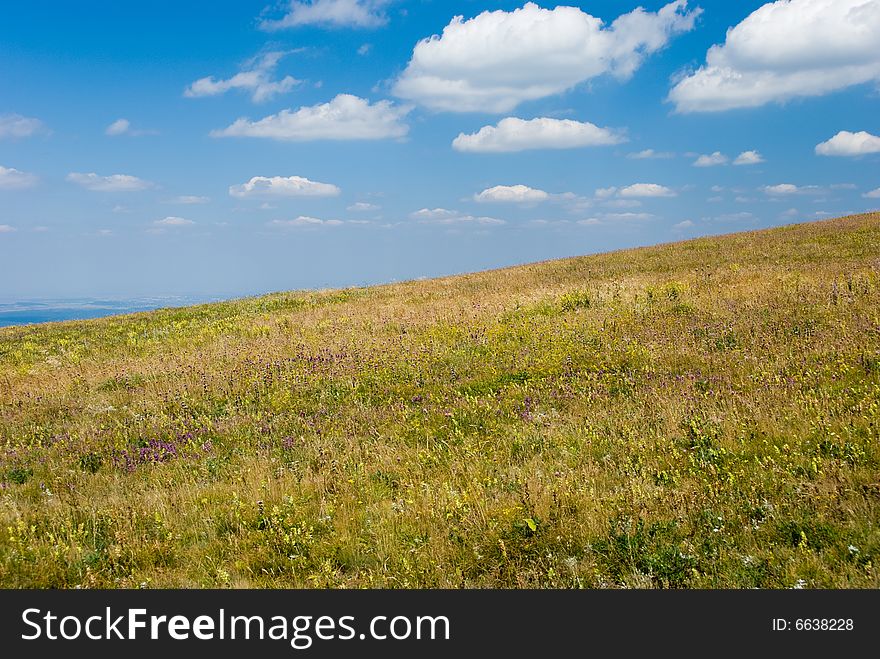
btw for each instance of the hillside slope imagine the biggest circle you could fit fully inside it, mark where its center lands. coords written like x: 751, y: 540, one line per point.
x: 701, y: 414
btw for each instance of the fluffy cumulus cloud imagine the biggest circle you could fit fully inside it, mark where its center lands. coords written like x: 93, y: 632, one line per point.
x: 646, y: 190
x: 433, y: 214
x: 782, y: 189
x: 711, y: 160
x: 331, y: 13
x: 14, y: 179
x: 173, y: 221
x: 873, y: 194
x: 17, y: 126
x: 112, y: 183
x: 849, y: 144
x: 513, y: 134
x: 748, y: 158
x: 280, y: 186
x: 686, y: 224
x: 517, y: 194
x: 346, y: 117
x: 499, y: 59
x: 784, y: 50
x: 255, y: 79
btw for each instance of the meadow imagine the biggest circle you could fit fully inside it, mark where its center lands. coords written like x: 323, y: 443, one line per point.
x: 704, y: 414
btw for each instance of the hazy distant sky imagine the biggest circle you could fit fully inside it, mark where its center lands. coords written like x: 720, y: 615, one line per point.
x: 204, y: 147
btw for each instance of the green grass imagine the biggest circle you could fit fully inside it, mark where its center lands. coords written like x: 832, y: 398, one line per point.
x: 697, y: 415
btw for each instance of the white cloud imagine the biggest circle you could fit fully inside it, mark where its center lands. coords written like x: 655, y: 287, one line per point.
x: 470, y: 219
x: 843, y: 186
x: 444, y: 216
x: 433, y: 214
x: 123, y: 127
x: 362, y: 207
x: 873, y: 194
x: 172, y: 221
x: 189, y: 200
x: 605, y: 193
x: 650, y: 154
x: 519, y: 194
x: 365, y: 49
x: 588, y: 222
x: 711, y: 160
x: 791, y: 212
x: 279, y: 186
x: 498, y: 59
x: 784, y: 50
x: 782, y: 188
x: 686, y: 224
x: 5, y: 228
x: 15, y: 125
x: 646, y: 190
x: 514, y: 134
x: 849, y: 144
x: 748, y: 158
x: 331, y: 13
x: 305, y: 221
x: 13, y: 179
x: 118, y: 127
x: 255, y: 79
x: 112, y: 183
x: 346, y: 117
x: 789, y: 189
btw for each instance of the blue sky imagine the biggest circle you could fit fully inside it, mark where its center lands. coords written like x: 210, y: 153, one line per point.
x: 234, y: 148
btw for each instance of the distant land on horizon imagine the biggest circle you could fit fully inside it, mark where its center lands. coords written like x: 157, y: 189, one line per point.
x: 27, y: 312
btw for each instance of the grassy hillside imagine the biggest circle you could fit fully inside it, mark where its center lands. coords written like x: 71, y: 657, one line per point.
x: 703, y: 414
